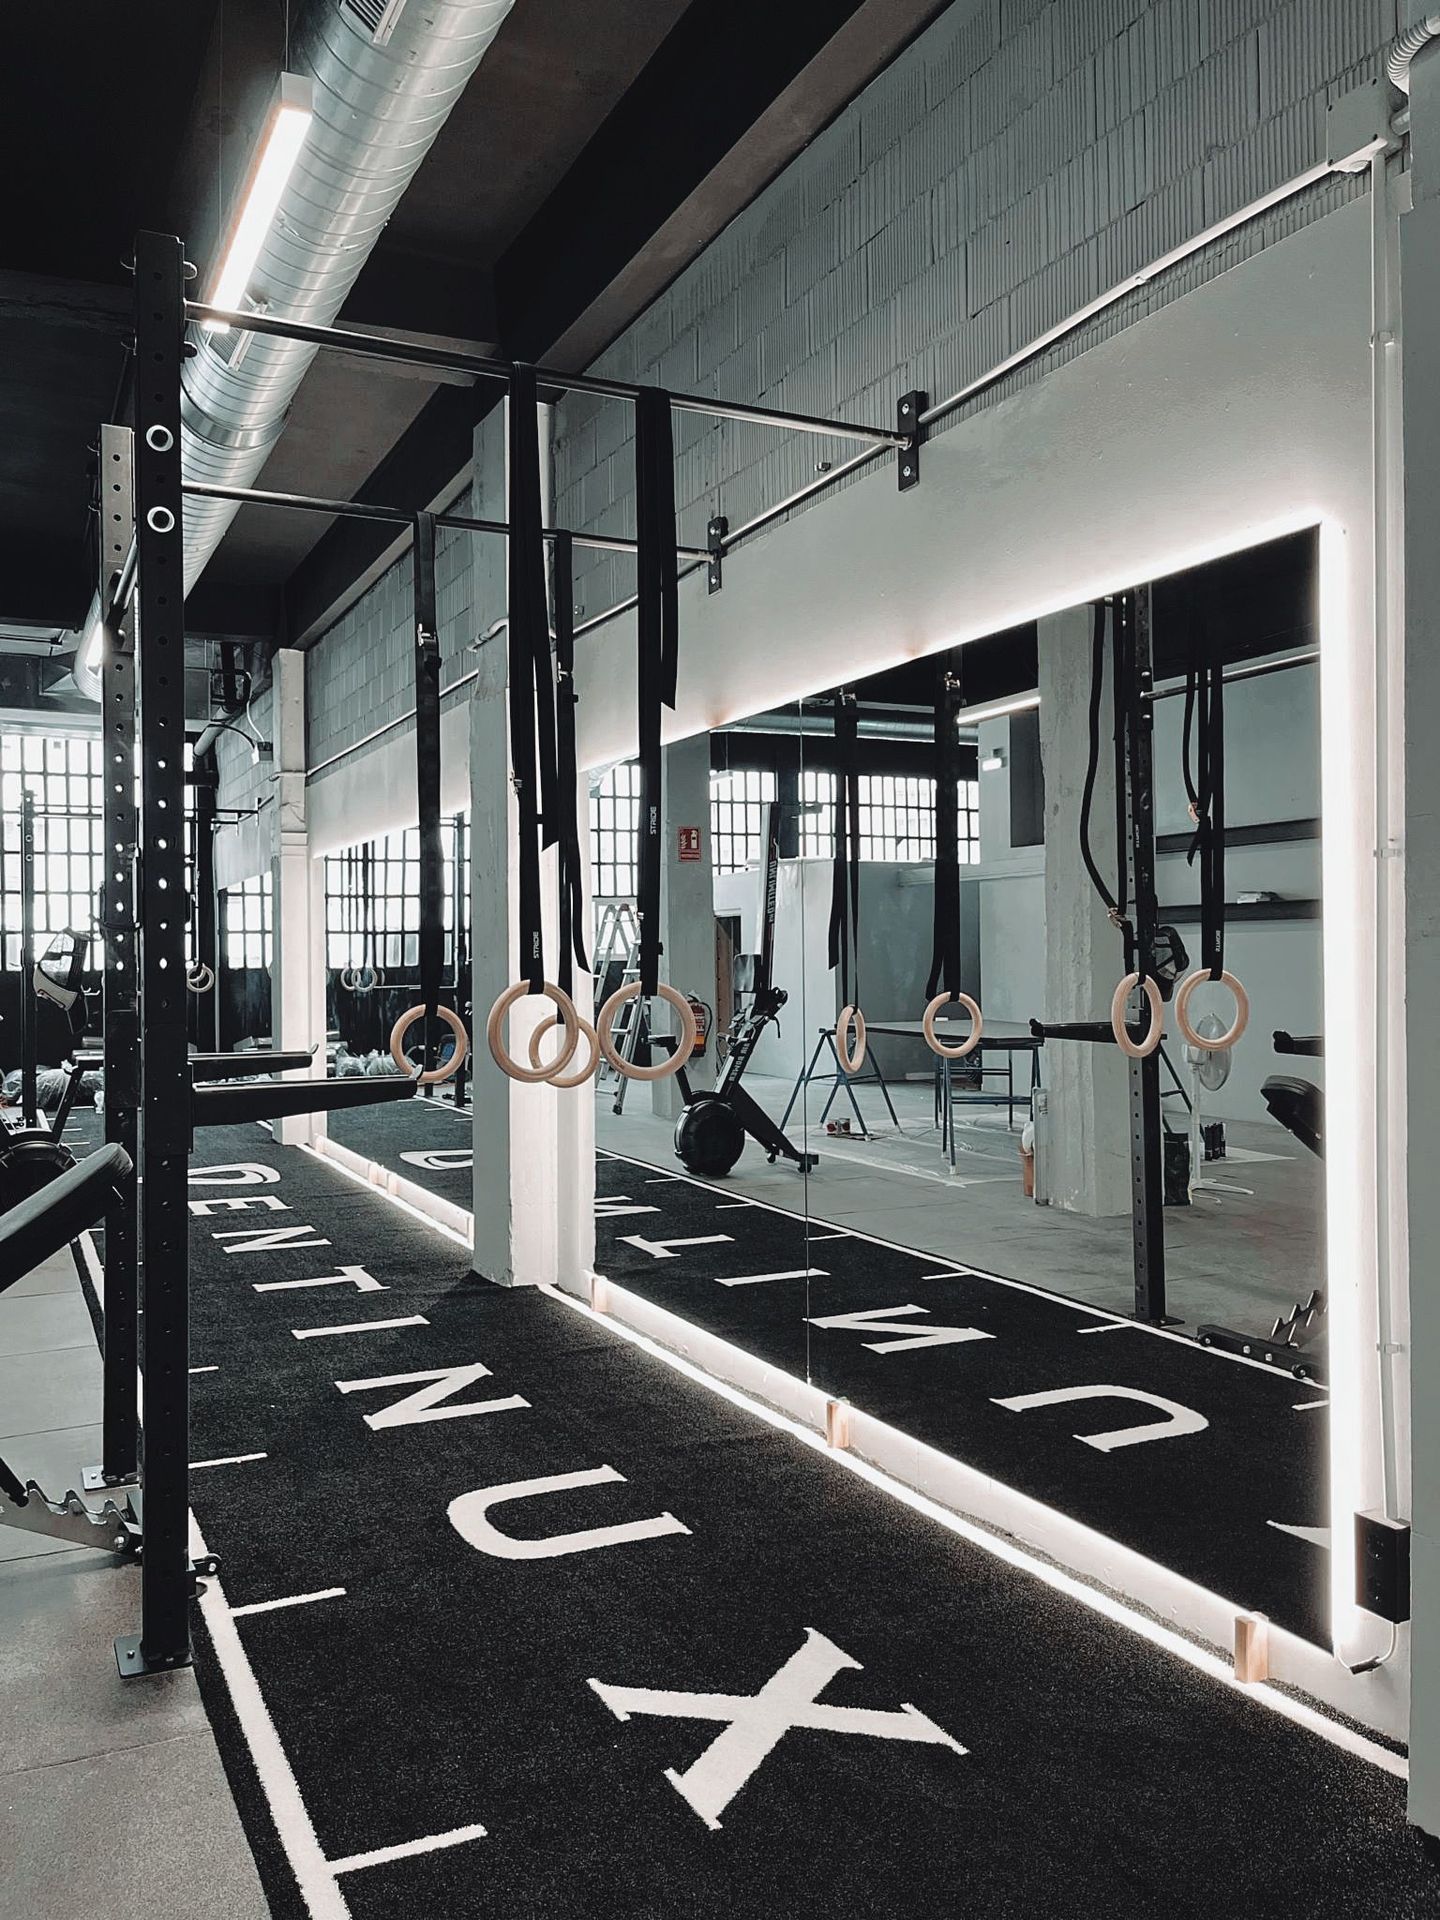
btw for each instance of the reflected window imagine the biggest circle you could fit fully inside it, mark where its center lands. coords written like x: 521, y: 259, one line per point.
x: 738, y: 798
x: 615, y: 831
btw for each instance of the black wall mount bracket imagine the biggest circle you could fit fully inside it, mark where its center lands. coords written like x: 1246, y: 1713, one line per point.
x: 908, y: 414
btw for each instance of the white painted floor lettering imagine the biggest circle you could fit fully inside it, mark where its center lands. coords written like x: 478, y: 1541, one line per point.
x: 755, y: 1724
x: 1177, y: 1419
x: 355, y: 1277
x: 665, y: 1249
x: 616, y: 1206
x: 360, y: 1326
x: 1316, y: 1536
x: 416, y: 1409
x: 757, y: 1279
x: 468, y: 1516
x: 884, y: 1320
x: 267, y: 1239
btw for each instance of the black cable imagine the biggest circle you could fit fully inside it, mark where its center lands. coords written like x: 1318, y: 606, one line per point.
x: 1115, y: 904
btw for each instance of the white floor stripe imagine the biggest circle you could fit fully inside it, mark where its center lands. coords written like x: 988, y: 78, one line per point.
x: 204, y: 1369
x: 1309, y: 1406
x: 1110, y: 1326
x: 732, y: 1206
x: 758, y: 1279
x: 431, y: 1844
x: 292, y: 1600
x: 360, y: 1326
x: 233, y: 1460
x: 1313, y: 1536
x: 844, y: 1234
x: 318, y: 1886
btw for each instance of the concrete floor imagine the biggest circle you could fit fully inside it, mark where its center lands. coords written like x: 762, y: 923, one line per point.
x: 113, y: 1801
x: 1238, y: 1259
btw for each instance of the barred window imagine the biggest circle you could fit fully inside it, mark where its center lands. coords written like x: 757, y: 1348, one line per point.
x: 372, y: 899
x: 615, y: 831
x: 897, y: 817
x: 738, y: 799
x: 248, y: 923
x: 64, y: 777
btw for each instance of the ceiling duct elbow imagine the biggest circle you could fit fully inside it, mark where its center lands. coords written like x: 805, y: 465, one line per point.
x: 385, y: 75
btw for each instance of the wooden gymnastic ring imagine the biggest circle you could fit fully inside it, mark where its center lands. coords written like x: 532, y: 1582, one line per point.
x: 537, y: 1039
x: 673, y: 1062
x: 851, y: 1063
x: 436, y: 1074
x: 495, y: 1025
x: 1182, y: 1011
x: 971, y: 1040
x: 1118, y: 1027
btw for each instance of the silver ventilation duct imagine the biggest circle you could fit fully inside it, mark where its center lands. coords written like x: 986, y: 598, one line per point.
x: 385, y: 75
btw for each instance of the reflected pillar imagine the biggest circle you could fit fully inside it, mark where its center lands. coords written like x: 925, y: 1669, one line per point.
x: 297, y: 967
x: 687, y: 900
x: 1086, y: 1152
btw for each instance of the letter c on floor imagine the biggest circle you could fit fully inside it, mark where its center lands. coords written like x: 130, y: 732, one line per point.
x: 469, y: 1517
x: 1177, y: 1419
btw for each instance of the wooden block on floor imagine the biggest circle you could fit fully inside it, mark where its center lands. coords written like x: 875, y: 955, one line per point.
x: 1252, y: 1647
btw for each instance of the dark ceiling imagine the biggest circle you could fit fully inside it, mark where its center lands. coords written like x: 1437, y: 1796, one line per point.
x: 599, y: 147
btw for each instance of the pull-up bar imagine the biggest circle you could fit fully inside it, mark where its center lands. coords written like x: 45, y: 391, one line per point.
x: 415, y: 353
x: 400, y: 517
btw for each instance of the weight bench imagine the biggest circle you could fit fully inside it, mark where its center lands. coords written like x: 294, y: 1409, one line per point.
x: 30, y: 1232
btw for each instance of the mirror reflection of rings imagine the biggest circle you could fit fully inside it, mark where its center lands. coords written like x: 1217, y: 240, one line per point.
x: 1155, y: 1032
x: 971, y: 1039
x: 451, y: 1058
x: 1228, y: 1035
x: 852, y: 1058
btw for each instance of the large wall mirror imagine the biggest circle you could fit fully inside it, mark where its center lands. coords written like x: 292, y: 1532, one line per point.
x: 1083, y: 1265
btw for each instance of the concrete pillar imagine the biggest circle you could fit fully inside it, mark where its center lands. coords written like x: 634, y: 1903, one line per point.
x: 1420, y: 278
x: 530, y: 1225
x: 1087, y: 1143
x: 297, y: 970
x: 687, y: 901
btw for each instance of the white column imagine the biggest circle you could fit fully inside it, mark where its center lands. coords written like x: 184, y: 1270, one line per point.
x: 1420, y: 264
x: 687, y: 902
x: 1087, y: 1139
x: 297, y: 971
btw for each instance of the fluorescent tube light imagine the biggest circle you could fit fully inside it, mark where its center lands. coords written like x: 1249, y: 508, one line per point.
x: 286, y: 126
x: 997, y: 709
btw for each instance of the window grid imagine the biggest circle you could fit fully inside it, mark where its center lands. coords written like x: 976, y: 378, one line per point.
x: 615, y: 831
x: 249, y: 922
x: 388, y: 935
x: 738, y: 798
x: 897, y: 817
x: 64, y: 775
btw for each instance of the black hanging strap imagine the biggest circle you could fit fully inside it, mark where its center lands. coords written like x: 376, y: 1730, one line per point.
x: 1115, y: 903
x: 427, y: 764
x: 531, y: 682
x: 945, y: 954
x: 1203, y: 762
x: 845, y: 882
x: 658, y: 652
x: 572, y: 893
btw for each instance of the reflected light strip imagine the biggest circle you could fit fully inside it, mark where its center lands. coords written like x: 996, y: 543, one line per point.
x: 1346, y: 721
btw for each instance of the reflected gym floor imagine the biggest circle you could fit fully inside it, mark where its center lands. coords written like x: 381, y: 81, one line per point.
x: 1234, y: 1258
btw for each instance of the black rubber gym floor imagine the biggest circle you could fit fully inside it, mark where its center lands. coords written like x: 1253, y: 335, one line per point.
x: 1238, y: 1504
x: 775, y: 1690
